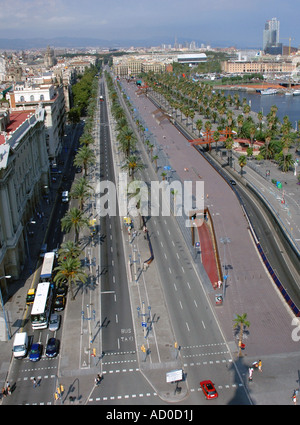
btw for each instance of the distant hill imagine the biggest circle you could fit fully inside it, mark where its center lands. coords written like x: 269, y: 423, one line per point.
x: 40, y: 43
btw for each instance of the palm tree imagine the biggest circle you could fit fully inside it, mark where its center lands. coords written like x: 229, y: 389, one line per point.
x: 70, y: 269
x: 132, y: 164
x: 81, y: 191
x: 240, y: 122
x: 242, y: 162
x: 74, y: 219
x: 260, y: 117
x: 216, y: 137
x: 155, y: 158
x: 199, y: 125
x: 241, y: 322
x: 127, y: 140
x: 68, y: 249
x: 84, y: 157
x: 86, y: 140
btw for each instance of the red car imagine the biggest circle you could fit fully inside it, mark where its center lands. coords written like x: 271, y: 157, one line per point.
x: 208, y: 389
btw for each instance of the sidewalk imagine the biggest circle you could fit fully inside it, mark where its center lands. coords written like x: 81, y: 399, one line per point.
x: 15, y: 300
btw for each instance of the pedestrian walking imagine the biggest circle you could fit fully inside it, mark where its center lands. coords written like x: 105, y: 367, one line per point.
x: 98, y: 379
x: 8, y: 389
x: 3, y: 392
x: 34, y: 382
x: 294, y: 398
x: 259, y: 365
x: 250, y: 373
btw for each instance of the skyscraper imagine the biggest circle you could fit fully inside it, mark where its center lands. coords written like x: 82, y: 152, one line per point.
x: 271, y: 37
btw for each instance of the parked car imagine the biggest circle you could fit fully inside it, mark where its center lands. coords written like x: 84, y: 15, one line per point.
x: 59, y: 302
x: 54, y: 322
x: 35, y: 352
x: 232, y: 182
x: 52, y: 347
x: 209, y: 389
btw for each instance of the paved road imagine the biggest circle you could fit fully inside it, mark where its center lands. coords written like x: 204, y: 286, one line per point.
x: 249, y: 289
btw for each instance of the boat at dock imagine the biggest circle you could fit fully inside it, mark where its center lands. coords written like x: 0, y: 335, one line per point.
x: 268, y: 91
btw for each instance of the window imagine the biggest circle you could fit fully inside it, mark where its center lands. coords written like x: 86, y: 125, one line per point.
x: 31, y: 98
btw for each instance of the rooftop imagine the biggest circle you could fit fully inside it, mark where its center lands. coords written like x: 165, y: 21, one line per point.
x: 16, y: 119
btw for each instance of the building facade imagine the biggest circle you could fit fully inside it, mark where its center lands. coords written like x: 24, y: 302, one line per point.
x: 24, y: 177
x: 51, y: 97
x: 257, y: 66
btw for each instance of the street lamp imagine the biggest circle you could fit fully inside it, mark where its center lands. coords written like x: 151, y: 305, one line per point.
x: 3, y: 309
x: 224, y: 241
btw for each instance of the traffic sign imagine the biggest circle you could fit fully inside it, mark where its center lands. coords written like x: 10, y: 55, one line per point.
x: 144, y: 324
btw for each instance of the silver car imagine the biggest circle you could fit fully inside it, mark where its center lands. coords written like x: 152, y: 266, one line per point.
x: 54, y: 322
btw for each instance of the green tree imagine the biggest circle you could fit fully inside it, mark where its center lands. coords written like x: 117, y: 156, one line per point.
x: 74, y: 116
x: 242, y: 162
x: 132, y: 164
x: 81, y: 191
x: 70, y: 270
x: 127, y: 141
x: 241, y: 323
x: 68, y: 249
x: 84, y: 157
x: 74, y: 219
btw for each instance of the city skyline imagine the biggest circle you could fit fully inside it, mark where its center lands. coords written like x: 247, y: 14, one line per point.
x: 217, y: 23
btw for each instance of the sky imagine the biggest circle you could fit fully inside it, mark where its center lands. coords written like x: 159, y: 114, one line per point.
x: 214, y: 22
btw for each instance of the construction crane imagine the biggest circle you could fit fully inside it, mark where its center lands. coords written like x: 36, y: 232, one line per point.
x: 290, y: 39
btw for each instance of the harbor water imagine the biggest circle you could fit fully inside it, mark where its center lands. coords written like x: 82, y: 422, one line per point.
x: 287, y: 105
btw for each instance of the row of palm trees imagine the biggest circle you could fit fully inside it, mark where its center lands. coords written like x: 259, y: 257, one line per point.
x: 69, y: 269
x: 128, y: 143
x: 187, y: 99
x: 125, y: 135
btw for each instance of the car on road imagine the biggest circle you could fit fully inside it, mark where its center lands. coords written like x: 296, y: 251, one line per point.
x: 52, y: 347
x: 209, y: 389
x: 35, y: 352
x: 61, y: 290
x: 59, y: 302
x: 30, y: 296
x: 65, y: 196
x: 54, y: 322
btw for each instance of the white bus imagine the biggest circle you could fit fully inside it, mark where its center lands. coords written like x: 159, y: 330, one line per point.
x: 47, y: 267
x: 41, y: 308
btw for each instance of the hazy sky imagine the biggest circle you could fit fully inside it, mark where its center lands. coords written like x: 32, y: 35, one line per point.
x: 232, y: 22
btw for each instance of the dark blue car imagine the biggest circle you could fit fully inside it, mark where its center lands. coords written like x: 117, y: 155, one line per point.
x: 35, y: 352
x: 52, y: 347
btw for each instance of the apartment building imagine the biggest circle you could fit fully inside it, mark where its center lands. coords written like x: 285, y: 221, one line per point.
x: 24, y: 178
x: 257, y: 66
x: 131, y: 66
x: 26, y: 96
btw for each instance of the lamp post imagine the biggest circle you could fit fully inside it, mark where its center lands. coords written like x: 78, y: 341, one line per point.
x: 3, y: 309
x: 224, y: 241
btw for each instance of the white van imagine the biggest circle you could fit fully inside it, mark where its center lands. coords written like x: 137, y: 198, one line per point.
x: 65, y: 196
x: 20, y: 346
